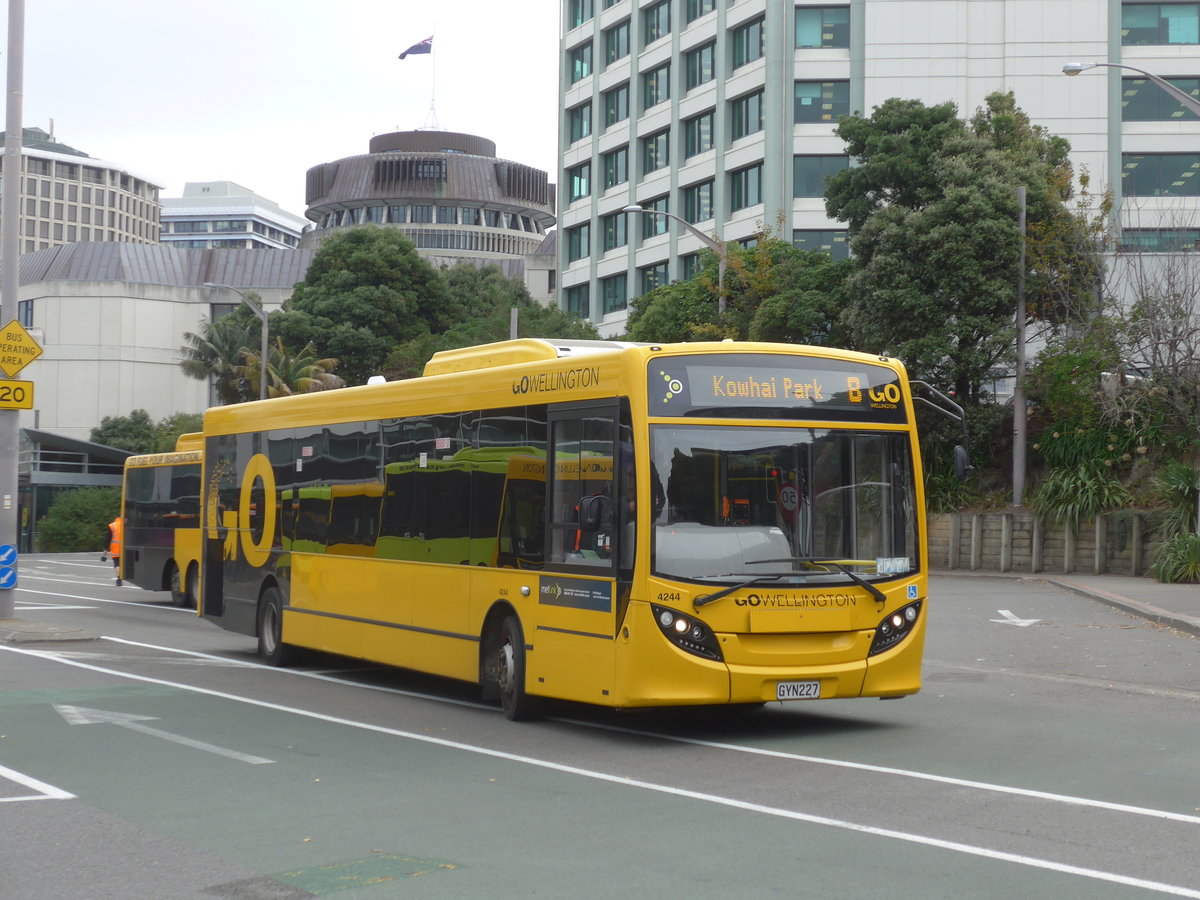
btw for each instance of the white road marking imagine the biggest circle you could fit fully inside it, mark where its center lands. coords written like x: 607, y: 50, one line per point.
x: 923, y: 840
x: 44, y: 791
x: 82, y: 715
x: 1010, y: 619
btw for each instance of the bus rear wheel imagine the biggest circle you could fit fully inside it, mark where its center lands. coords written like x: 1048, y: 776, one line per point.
x: 193, y: 586
x: 510, y: 670
x: 271, y: 648
x: 178, y: 592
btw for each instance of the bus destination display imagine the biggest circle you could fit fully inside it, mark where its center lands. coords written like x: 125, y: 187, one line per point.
x: 773, y: 387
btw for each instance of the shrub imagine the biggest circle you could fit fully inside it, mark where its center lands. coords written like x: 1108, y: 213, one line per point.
x: 1178, y: 560
x: 78, y: 520
x: 1078, y: 494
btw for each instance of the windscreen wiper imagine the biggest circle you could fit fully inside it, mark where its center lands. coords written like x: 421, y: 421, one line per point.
x: 842, y: 565
x: 725, y: 592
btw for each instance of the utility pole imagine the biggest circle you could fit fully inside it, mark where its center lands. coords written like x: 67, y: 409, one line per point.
x: 1020, y: 425
x: 10, y: 256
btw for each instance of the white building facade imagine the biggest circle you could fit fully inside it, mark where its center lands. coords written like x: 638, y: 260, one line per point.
x: 110, y: 319
x: 723, y: 113
x: 222, y: 215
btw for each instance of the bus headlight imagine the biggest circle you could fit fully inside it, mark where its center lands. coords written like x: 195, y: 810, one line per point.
x: 895, y: 627
x: 687, y: 633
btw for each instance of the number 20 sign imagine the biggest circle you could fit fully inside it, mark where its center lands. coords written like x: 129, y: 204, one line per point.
x: 16, y: 394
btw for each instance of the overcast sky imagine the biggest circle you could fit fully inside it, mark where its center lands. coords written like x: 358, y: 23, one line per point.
x: 259, y: 91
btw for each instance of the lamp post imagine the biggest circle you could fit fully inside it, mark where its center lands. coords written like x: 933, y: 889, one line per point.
x: 716, y: 245
x: 1187, y: 100
x: 262, y: 317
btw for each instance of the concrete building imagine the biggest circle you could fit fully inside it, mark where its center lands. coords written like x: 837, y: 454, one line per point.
x: 447, y: 192
x: 723, y: 113
x: 222, y: 215
x: 68, y: 196
x: 110, y: 319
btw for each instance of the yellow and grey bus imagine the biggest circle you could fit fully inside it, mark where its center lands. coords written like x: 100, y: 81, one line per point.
x: 627, y: 525
x: 160, y: 502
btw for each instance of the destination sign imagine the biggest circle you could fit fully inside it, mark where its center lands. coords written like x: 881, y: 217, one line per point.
x: 774, y: 386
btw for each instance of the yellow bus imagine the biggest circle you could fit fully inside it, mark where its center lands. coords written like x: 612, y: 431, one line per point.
x: 160, y: 502
x: 618, y: 524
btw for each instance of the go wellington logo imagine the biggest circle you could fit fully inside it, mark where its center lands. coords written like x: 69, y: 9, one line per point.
x: 674, y: 387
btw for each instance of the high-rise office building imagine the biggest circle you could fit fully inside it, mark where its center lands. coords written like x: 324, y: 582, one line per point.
x: 723, y: 113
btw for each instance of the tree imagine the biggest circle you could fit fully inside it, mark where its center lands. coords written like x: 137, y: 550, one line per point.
x: 484, y: 298
x: 288, y: 373
x: 366, y: 291
x: 134, y: 432
x: 774, y: 292
x: 168, y: 430
x: 78, y: 520
x: 932, y: 210
x: 218, y: 351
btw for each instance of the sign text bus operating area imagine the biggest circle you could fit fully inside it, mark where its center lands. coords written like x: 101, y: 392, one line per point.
x: 17, y: 348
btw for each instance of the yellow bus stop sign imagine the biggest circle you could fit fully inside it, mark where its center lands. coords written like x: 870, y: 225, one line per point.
x: 17, y: 348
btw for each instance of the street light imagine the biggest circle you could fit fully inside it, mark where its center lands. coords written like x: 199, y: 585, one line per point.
x: 716, y: 245
x: 1189, y: 102
x: 262, y: 317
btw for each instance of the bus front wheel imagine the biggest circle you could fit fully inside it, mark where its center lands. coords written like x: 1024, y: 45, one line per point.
x: 510, y: 670
x: 271, y: 647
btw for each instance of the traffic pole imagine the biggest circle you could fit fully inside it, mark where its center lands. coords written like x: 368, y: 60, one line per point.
x: 10, y: 257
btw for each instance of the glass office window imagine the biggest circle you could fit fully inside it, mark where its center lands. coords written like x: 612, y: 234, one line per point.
x: 698, y: 202
x: 1160, y: 174
x: 616, y: 105
x: 1145, y: 24
x: 698, y: 133
x: 745, y: 187
x: 656, y: 86
x: 579, y: 62
x: 581, y: 11
x: 577, y: 300
x: 747, y: 43
x: 578, y: 242
x: 1144, y: 101
x: 1160, y: 240
x: 746, y: 115
x: 616, y: 43
x: 698, y: 8
x: 579, y: 121
x: 656, y: 22
x: 810, y: 171
x: 653, y: 276
x: 652, y: 224
x: 700, y: 65
x: 579, y: 180
x: 614, y: 228
x: 822, y: 26
x: 822, y: 240
x: 616, y: 167
x: 821, y: 101
x: 656, y: 151
x: 613, y: 293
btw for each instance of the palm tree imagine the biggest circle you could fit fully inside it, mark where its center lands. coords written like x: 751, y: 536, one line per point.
x: 218, y: 351
x: 288, y: 374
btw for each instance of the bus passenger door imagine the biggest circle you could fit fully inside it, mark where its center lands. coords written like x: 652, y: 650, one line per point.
x: 574, y: 620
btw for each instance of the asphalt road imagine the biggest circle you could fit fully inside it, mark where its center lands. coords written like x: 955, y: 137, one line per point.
x: 1052, y: 753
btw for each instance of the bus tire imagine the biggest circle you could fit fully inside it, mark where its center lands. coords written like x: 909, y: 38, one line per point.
x: 510, y: 670
x: 192, y: 589
x: 175, y: 585
x: 271, y: 648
